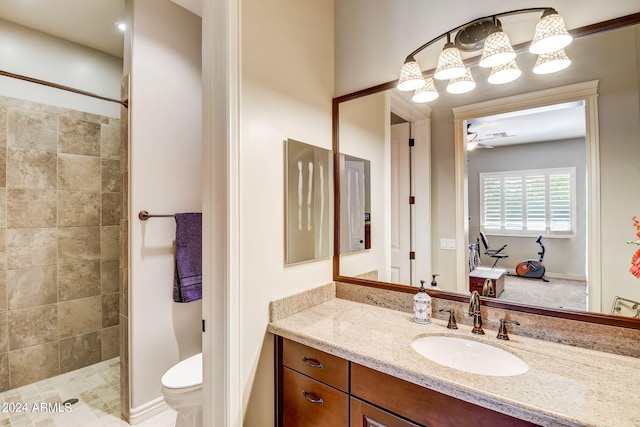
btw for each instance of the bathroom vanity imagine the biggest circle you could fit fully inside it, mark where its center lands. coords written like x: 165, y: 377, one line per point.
x: 346, y: 363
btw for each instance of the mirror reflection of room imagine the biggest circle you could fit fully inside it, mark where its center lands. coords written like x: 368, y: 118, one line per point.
x: 527, y: 193
x: 588, y: 256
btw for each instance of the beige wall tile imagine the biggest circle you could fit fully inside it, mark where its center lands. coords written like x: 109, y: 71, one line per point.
x: 78, y: 172
x: 80, y: 351
x: 32, y: 326
x: 110, y: 339
x: 111, y: 177
x: 78, y: 244
x: 124, y: 148
x: 3, y: 166
x: 79, y: 137
x: 79, y: 316
x: 3, y: 207
x: 31, y: 169
x: 111, y: 208
x: 110, y: 140
x: 31, y: 208
x: 3, y: 248
x: 78, y: 280
x: 3, y: 126
x: 33, y: 364
x: 3, y: 290
x: 110, y: 309
x: 32, y: 130
x: 4, y: 372
x: 29, y: 287
x: 4, y: 332
x: 31, y: 247
x: 110, y: 237
x: 109, y: 276
x: 78, y: 208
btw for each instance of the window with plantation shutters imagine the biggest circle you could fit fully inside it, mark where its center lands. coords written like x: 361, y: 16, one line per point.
x: 529, y: 202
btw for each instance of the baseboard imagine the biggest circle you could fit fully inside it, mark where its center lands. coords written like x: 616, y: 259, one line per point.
x: 146, y: 411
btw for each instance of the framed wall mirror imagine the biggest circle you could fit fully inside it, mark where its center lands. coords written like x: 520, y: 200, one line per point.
x: 604, y: 76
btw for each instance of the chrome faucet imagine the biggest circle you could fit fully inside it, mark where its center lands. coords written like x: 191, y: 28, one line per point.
x: 474, y: 310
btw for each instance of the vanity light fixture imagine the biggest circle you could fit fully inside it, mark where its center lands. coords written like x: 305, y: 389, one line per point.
x: 551, y: 34
x: 486, y: 33
x: 504, y: 73
x: 450, y: 63
x: 497, y: 48
x: 551, y: 62
x: 410, y: 76
x: 461, y: 84
x: 426, y: 93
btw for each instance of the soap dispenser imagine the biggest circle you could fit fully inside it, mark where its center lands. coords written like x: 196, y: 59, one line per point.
x: 434, y: 284
x: 422, y: 305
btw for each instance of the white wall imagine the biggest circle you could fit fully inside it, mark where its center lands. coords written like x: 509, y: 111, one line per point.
x: 38, y: 55
x: 286, y: 86
x: 165, y: 178
x: 364, y: 133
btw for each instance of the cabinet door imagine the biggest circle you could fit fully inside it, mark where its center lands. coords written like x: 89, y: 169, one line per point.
x: 309, y: 403
x: 365, y: 415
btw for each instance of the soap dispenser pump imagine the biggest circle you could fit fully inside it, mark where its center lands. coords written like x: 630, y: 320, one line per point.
x: 434, y: 284
x: 422, y: 305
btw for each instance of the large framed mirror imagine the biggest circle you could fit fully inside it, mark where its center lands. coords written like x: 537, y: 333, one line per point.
x: 444, y: 178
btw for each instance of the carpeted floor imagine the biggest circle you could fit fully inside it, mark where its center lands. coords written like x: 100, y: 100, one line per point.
x: 557, y: 293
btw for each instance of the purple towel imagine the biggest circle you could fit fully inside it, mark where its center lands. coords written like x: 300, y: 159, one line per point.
x: 187, y: 283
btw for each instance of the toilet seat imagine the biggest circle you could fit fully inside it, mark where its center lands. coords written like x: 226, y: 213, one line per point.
x: 184, y: 376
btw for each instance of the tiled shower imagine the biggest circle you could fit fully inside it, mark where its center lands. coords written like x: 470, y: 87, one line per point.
x: 60, y: 209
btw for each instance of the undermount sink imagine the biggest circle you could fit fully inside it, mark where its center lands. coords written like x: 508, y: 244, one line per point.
x: 469, y: 355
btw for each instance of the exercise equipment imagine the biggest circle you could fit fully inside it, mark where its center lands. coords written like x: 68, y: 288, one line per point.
x: 533, y: 268
x: 493, y: 253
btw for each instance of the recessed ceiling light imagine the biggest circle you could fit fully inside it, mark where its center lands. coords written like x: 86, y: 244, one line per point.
x: 121, y: 26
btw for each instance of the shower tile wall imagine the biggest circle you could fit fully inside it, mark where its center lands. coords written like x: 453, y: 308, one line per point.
x: 59, y: 240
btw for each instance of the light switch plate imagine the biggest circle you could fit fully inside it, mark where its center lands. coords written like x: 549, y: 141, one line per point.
x: 448, y: 244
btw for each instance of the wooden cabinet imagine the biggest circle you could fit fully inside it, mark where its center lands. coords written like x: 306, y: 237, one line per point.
x: 314, y: 388
x: 365, y: 415
x: 421, y: 405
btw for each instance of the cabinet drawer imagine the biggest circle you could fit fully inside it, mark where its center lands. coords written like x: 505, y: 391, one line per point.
x: 317, y: 364
x: 365, y: 415
x: 422, y: 405
x: 308, y: 402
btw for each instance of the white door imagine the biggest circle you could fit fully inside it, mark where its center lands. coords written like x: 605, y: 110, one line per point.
x: 400, y: 215
x: 353, y: 207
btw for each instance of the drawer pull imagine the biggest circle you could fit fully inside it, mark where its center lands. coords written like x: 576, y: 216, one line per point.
x: 313, y: 363
x: 312, y: 397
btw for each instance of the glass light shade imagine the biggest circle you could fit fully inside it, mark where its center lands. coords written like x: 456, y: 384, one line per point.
x: 471, y: 145
x: 497, y: 50
x: 550, y: 34
x: 410, y: 76
x: 462, y: 84
x: 426, y: 93
x: 504, y: 73
x: 551, y: 62
x: 450, y: 63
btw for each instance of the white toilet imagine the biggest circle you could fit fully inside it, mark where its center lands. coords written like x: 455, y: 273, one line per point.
x: 182, y: 390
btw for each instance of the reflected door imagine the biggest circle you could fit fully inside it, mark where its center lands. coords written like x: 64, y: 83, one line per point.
x: 400, y: 192
x: 353, y: 206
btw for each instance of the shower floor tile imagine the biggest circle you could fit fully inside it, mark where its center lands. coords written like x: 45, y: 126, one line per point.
x: 97, y: 388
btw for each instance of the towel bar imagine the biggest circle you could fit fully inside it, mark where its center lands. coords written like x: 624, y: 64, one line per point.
x: 144, y: 215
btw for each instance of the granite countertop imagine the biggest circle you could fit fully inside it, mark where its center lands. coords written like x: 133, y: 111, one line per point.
x: 564, y: 386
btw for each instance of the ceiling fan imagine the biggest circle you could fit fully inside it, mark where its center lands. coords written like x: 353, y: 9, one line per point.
x: 473, y: 142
